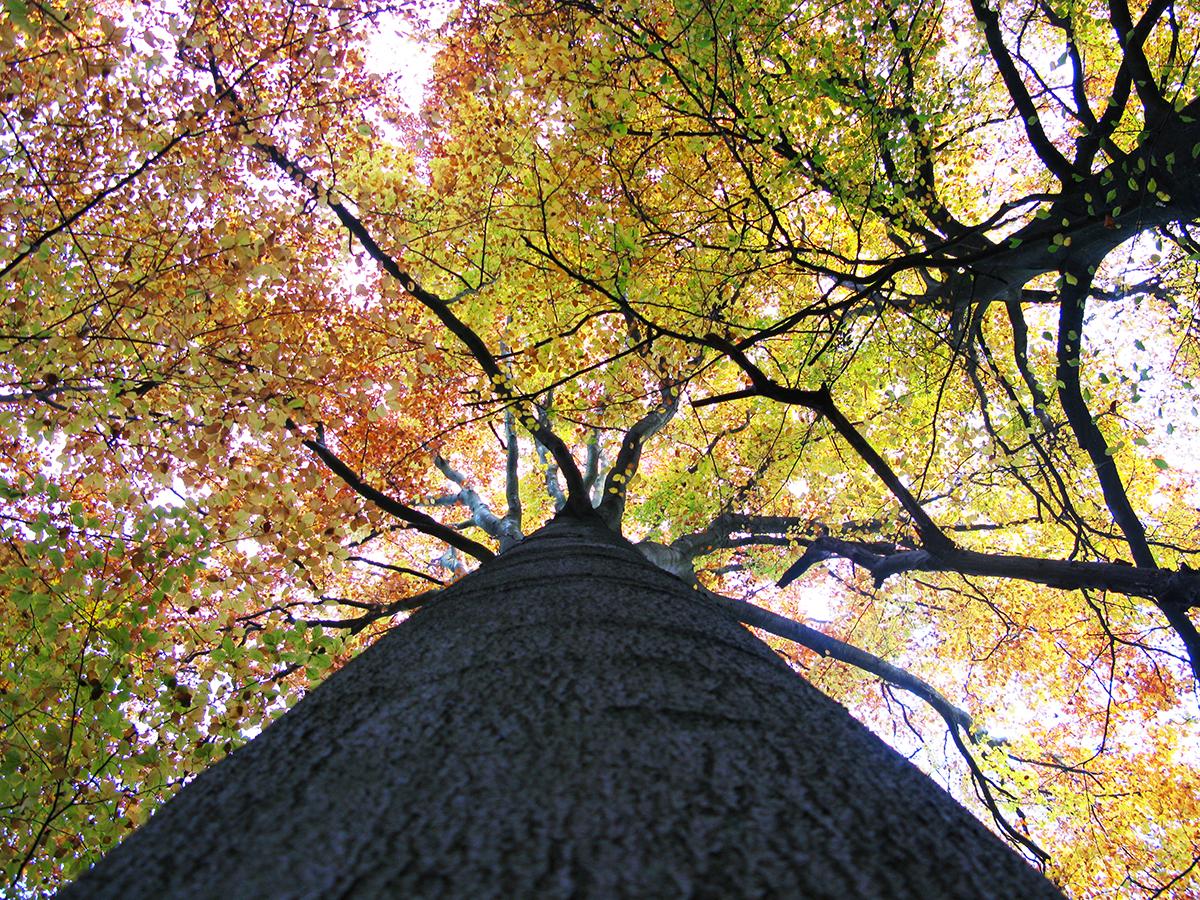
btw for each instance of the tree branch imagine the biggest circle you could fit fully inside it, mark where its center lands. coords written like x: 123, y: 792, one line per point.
x: 781, y: 626
x: 1045, y: 149
x: 1172, y: 592
x: 1071, y: 575
x: 821, y: 401
x: 35, y: 244
x: 1133, y: 39
x: 358, y: 623
x: 504, y: 530
x: 954, y: 717
x: 403, y: 570
x: 1087, y: 432
x: 512, y: 472
x: 616, y: 485
x: 418, y: 520
x: 553, y: 488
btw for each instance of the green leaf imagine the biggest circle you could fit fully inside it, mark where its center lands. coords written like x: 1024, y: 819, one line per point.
x: 18, y: 13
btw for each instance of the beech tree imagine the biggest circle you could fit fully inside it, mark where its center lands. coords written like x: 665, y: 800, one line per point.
x: 872, y: 325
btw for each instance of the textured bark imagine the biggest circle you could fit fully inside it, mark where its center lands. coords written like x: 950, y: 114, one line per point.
x: 566, y: 721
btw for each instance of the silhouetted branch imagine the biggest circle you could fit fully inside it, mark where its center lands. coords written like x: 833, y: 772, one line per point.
x: 417, y: 519
x: 1050, y: 156
x: 821, y: 401
x: 403, y: 570
x: 1172, y: 592
x: 553, y: 488
x: 512, y: 472
x: 781, y: 626
x: 883, y: 562
x: 358, y: 623
x: 954, y: 717
x: 1087, y: 432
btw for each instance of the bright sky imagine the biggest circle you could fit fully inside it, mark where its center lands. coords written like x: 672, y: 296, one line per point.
x: 393, y: 52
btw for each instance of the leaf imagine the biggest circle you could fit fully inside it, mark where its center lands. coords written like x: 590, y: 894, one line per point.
x: 18, y: 14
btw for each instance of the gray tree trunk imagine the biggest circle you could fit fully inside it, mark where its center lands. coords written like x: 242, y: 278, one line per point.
x: 567, y: 721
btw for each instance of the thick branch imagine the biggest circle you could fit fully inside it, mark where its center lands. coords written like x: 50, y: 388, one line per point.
x: 1083, y: 108
x: 883, y: 562
x: 553, y: 488
x: 1020, y: 332
x: 1087, y: 432
x: 720, y: 531
x: 504, y: 530
x: 612, y: 506
x: 415, y: 518
x: 1172, y: 592
x: 820, y: 401
x: 512, y: 473
x: 881, y: 565
x: 1133, y: 40
x: 756, y: 617
x: 1045, y: 149
x: 591, y: 469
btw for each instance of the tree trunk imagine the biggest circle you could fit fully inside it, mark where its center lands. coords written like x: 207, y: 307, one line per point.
x: 568, y: 720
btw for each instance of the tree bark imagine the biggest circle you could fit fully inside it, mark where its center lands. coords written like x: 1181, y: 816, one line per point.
x: 566, y: 721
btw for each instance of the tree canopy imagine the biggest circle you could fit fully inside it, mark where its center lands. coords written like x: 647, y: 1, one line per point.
x: 877, y: 315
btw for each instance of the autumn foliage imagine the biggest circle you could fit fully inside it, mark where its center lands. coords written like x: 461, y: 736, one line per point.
x: 896, y: 299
